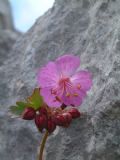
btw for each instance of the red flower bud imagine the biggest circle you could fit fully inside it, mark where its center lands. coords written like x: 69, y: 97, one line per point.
x: 74, y: 112
x: 51, y: 126
x: 41, y: 121
x: 29, y: 113
x: 67, y: 117
x: 59, y: 120
x: 42, y: 111
x: 63, y: 119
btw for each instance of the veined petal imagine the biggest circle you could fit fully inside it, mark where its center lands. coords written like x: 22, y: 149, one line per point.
x: 73, y: 96
x: 49, y: 98
x: 67, y: 64
x: 48, y: 75
x: 82, y: 80
x: 74, y: 100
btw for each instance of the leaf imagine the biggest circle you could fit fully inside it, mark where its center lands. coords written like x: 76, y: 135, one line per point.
x: 35, y: 99
x: 19, y: 108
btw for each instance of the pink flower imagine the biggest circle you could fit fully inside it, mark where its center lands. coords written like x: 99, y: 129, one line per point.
x: 61, y: 83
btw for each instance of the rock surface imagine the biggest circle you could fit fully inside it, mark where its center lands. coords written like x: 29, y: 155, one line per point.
x: 7, y: 39
x: 90, y: 29
x: 6, y: 19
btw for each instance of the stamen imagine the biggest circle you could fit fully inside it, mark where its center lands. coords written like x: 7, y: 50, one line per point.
x: 78, y: 86
x: 58, y: 99
x: 63, y: 82
x: 67, y: 94
x: 75, y: 94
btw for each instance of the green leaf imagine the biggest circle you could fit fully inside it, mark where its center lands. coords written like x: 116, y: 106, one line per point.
x: 35, y: 99
x: 19, y: 108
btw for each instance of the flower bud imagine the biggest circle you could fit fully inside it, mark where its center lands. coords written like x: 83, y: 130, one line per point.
x: 68, y: 118
x: 63, y: 119
x: 59, y: 120
x: 74, y: 112
x: 51, y: 126
x: 43, y: 111
x: 29, y: 113
x: 41, y: 121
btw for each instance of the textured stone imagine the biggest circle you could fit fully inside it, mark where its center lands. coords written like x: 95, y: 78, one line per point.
x: 7, y: 39
x: 6, y: 20
x: 90, y: 29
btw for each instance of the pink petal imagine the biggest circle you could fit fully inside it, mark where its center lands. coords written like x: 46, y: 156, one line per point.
x: 82, y: 78
x: 72, y: 99
x: 67, y: 64
x: 48, y: 75
x: 49, y: 98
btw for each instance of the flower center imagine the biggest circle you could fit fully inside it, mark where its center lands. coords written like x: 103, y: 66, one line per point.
x: 63, y: 82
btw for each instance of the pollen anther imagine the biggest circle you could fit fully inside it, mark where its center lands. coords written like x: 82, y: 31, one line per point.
x: 75, y: 94
x: 78, y: 86
x: 58, y: 99
x: 67, y: 94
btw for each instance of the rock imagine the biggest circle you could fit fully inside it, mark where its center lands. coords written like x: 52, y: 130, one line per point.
x: 90, y: 29
x: 6, y: 20
x: 7, y: 39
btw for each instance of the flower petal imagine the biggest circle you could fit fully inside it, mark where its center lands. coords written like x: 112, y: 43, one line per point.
x: 49, y: 98
x: 48, y: 75
x: 82, y: 78
x: 73, y: 96
x: 74, y: 100
x: 67, y: 64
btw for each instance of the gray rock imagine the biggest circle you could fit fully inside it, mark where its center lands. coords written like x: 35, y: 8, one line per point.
x: 90, y: 29
x: 7, y: 39
x: 6, y: 20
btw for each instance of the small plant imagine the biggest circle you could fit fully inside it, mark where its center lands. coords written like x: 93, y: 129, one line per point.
x: 61, y: 89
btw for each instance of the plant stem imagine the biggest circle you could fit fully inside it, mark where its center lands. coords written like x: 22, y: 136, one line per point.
x: 42, y: 146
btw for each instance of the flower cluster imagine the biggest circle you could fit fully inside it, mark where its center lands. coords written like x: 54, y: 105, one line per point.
x: 61, y: 86
x: 47, y: 118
